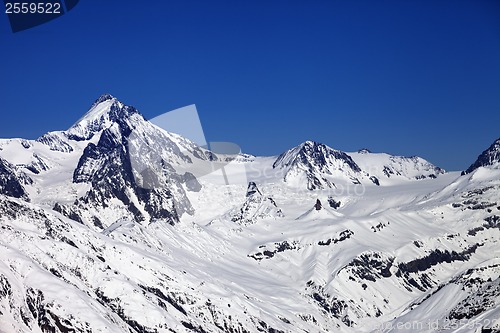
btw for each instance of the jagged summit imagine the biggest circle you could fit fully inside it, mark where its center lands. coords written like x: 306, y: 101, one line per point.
x: 103, y: 98
x: 489, y: 157
x: 318, y: 206
x: 256, y: 207
x: 252, y: 189
x: 105, y: 111
x: 125, y: 164
x: 364, y: 151
x: 311, y: 151
x: 313, y: 163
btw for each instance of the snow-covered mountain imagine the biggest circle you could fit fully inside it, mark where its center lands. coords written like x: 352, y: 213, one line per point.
x: 315, y: 165
x: 111, y: 163
x: 488, y: 158
x: 256, y: 207
x: 318, y: 166
x: 115, y: 225
x: 387, y: 168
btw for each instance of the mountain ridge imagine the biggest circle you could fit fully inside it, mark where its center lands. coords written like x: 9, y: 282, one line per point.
x: 119, y: 226
x: 489, y: 157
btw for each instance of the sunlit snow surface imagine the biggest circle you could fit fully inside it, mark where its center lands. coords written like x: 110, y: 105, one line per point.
x: 409, y: 255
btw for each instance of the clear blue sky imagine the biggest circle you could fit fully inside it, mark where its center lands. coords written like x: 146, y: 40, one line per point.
x: 403, y: 77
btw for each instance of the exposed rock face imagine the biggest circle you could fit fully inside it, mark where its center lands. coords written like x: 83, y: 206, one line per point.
x: 114, y: 179
x: 489, y: 157
x: 333, y: 203
x: 317, y: 205
x: 118, y: 171
x: 256, y: 207
x: 252, y: 189
x: 313, y: 163
x: 12, y: 180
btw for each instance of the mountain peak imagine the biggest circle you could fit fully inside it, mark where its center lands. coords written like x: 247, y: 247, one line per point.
x: 310, y: 162
x: 309, y: 143
x: 252, y: 189
x: 103, y: 98
x: 256, y: 207
x: 311, y: 151
x: 318, y: 206
x: 105, y: 111
x: 490, y: 156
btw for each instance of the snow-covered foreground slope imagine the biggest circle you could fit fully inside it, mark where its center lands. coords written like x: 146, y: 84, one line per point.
x: 410, y: 254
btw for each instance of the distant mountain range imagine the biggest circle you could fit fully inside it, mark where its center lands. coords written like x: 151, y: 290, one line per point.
x: 116, y: 225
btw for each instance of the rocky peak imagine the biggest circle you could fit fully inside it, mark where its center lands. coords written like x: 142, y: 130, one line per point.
x: 319, y: 154
x: 490, y: 156
x: 11, y: 181
x: 129, y: 167
x: 313, y: 163
x: 103, y: 98
x: 317, y: 205
x: 104, y: 112
x: 252, y: 189
x: 256, y: 207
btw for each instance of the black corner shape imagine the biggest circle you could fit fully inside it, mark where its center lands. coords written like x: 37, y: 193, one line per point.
x: 26, y: 14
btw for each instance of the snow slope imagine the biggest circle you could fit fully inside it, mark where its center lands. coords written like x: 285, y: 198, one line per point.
x: 418, y: 253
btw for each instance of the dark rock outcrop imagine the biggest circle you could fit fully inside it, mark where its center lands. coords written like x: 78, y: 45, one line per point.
x: 488, y: 157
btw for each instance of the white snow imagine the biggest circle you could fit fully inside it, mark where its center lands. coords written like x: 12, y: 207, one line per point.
x: 287, y: 272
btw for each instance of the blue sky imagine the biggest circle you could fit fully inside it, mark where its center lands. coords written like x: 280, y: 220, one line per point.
x: 403, y: 77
